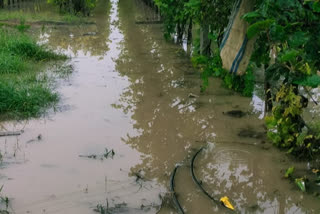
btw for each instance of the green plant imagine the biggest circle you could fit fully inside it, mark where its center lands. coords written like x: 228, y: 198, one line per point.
x: 4, y: 200
x: 177, y: 14
x: 211, y: 15
x: 289, y: 172
x: 23, y: 92
x: 22, y: 27
x: 212, y: 66
x: 75, y: 6
x: 301, y: 183
x: 289, y: 30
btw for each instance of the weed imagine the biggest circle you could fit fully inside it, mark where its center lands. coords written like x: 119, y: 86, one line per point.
x: 107, y: 154
x: 4, y: 201
x: 23, y: 92
x: 42, y: 16
x: 212, y: 66
x: 101, y: 209
x: 22, y: 27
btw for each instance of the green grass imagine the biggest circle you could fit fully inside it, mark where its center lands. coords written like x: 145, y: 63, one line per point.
x: 24, y: 92
x: 41, y: 16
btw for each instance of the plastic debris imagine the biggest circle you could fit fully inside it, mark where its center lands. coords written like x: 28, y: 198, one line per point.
x: 226, y: 202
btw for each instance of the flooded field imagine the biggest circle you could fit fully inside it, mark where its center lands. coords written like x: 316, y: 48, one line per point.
x: 130, y: 112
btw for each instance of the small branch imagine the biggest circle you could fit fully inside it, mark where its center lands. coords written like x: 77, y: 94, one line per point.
x: 13, y: 133
x: 149, y: 22
x: 310, y: 95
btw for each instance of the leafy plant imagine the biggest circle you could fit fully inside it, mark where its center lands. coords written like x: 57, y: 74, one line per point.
x: 22, y: 27
x: 23, y: 92
x: 212, y: 66
x: 289, y: 31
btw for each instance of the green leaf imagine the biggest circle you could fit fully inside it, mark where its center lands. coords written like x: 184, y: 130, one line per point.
x: 316, y: 7
x: 298, y: 39
x: 289, y: 172
x: 301, y: 184
x: 258, y: 27
x: 289, y: 55
x: 310, y: 81
x: 251, y: 16
x: 277, y: 32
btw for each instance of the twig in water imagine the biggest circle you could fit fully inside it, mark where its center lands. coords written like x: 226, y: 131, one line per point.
x: 10, y: 133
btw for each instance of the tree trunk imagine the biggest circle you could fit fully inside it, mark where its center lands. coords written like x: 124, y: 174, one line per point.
x: 204, y: 40
x: 190, y: 32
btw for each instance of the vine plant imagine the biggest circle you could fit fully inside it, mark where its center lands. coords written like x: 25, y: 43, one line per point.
x: 177, y: 13
x: 288, y: 45
x: 211, y: 14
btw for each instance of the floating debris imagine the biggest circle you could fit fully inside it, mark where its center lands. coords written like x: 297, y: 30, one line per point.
x: 235, y: 113
x: 226, y: 202
x: 192, y: 95
x: 122, y: 208
x: 10, y: 133
x: 90, y: 34
x: 106, y: 155
x: 251, y: 133
x: 38, y: 138
x: 149, y: 22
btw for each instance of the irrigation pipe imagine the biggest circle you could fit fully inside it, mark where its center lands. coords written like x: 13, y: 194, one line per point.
x: 197, y: 181
x: 175, y: 199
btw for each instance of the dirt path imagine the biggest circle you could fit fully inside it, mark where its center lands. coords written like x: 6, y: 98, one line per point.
x: 137, y: 94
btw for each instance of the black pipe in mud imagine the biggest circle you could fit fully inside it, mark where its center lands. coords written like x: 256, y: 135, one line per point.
x: 198, y: 183
x: 194, y: 178
x: 174, y: 194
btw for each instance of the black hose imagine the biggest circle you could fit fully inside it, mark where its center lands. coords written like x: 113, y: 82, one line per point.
x: 197, y: 181
x: 175, y: 199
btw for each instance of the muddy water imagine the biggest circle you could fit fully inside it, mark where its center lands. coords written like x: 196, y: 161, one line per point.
x: 136, y: 94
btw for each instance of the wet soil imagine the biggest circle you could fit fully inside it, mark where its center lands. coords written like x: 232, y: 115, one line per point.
x: 130, y: 93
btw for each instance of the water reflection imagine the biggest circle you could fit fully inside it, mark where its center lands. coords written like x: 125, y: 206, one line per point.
x: 161, y: 82
x: 83, y: 39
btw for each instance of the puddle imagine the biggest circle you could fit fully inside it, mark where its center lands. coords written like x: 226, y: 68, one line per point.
x: 130, y: 93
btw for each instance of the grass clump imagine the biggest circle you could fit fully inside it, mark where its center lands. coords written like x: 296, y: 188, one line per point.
x: 23, y: 91
x: 22, y: 99
x: 50, y: 15
x: 21, y: 46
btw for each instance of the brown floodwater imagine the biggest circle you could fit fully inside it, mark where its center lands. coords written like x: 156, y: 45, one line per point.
x: 135, y: 93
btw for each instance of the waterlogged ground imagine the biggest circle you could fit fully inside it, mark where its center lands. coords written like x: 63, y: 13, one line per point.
x: 135, y: 94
